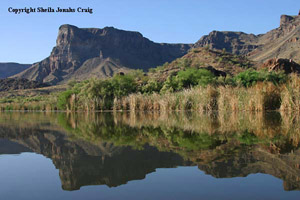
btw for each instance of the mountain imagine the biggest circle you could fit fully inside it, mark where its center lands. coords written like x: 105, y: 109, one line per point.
x: 234, y: 42
x: 10, y: 69
x: 82, y: 53
x: 282, y: 42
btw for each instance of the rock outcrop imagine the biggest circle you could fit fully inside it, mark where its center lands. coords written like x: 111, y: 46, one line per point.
x: 286, y: 65
x: 82, y: 53
x: 282, y: 42
x: 285, y: 19
x: 10, y: 69
x: 234, y: 42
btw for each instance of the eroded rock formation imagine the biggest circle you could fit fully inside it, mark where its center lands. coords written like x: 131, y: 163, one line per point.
x: 81, y: 53
x: 286, y: 65
x: 282, y: 42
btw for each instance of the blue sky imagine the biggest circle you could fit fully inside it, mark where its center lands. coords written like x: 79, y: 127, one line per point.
x: 30, y: 38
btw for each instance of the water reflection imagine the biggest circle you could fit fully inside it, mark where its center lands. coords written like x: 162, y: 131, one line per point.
x: 114, y: 148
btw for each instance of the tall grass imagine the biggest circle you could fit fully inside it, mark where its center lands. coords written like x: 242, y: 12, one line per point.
x: 262, y: 96
x: 258, y: 97
x: 290, y: 95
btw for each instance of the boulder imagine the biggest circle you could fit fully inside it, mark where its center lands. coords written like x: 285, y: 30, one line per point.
x: 215, y: 71
x: 280, y: 64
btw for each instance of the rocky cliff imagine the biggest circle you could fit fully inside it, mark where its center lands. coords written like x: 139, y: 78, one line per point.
x: 234, y: 42
x: 282, y: 42
x: 84, y: 53
x: 10, y: 69
x: 286, y: 65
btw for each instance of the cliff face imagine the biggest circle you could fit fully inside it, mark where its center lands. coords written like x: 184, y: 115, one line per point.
x: 84, y: 53
x: 285, y: 19
x: 282, y: 42
x: 234, y: 42
x: 10, y: 69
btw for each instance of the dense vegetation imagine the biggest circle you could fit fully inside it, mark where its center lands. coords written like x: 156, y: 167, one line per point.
x: 113, y: 93
x: 188, y: 89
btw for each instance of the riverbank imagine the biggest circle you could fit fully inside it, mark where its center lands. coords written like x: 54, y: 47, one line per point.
x: 136, y: 92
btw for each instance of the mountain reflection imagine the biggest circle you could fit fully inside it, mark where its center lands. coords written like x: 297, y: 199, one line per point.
x: 114, y: 148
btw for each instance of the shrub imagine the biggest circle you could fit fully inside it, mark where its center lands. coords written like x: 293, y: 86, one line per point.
x: 187, y: 79
x: 192, y: 77
x: 123, y: 85
x: 170, y: 85
x: 62, y: 100
x: 151, y: 87
x: 250, y: 77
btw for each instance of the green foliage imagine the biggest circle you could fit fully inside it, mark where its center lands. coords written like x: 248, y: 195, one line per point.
x: 97, y: 89
x: 170, y: 85
x: 228, y: 80
x: 250, y: 77
x: 192, y: 77
x: 62, y: 100
x: 119, y: 85
x: 151, y: 86
x: 187, y: 79
x: 123, y: 85
x: 100, y: 93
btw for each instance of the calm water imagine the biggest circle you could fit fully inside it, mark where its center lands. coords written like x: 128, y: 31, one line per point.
x: 149, y: 156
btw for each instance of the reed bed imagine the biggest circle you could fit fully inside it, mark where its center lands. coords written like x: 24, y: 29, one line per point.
x: 262, y: 96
